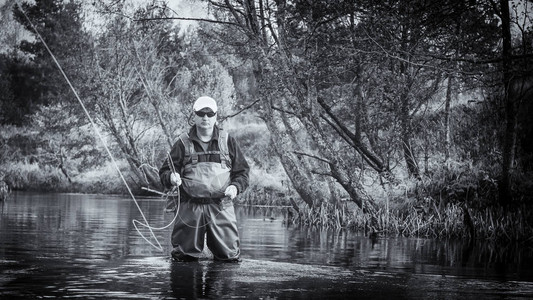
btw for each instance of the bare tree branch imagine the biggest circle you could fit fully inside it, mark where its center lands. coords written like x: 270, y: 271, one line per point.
x: 312, y: 156
x: 186, y: 19
x: 240, y: 111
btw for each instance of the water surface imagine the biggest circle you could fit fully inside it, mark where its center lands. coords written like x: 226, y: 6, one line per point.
x: 85, y: 246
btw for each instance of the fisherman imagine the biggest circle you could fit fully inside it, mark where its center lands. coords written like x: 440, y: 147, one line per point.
x: 210, y: 170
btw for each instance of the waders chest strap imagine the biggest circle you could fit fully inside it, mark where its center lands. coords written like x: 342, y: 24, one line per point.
x: 191, y: 153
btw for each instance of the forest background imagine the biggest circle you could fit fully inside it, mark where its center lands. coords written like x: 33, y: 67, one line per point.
x: 393, y: 117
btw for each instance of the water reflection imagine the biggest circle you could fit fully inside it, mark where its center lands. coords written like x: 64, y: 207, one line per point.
x: 86, y: 246
x: 201, y: 280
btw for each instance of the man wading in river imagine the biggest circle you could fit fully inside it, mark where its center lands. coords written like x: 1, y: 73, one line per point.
x: 210, y: 170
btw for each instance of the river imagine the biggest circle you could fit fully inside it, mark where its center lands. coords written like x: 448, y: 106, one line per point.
x: 86, y: 246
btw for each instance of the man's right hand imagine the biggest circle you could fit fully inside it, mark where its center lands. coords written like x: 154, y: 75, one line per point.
x: 175, y: 179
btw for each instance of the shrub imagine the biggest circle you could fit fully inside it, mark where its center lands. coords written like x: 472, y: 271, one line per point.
x: 33, y: 177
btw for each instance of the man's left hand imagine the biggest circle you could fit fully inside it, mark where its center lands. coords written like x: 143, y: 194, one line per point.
x: 231, y: 192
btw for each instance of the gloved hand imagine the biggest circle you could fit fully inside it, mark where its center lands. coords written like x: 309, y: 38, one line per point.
x: 231, y: 192
x: 175, y: 179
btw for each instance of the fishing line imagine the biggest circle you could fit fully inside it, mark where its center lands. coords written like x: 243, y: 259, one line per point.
x: 145, y: 224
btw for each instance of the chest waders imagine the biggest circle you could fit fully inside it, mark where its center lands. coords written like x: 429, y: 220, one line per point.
x: 203, y: 214
x: 206, y: 179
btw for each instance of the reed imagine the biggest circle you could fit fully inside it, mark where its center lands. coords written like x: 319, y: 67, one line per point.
x: 327, y: 215
x: 498, y: 225
x: 504, y: 224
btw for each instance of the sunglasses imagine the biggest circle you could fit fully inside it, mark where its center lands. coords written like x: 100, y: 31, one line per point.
x: 202, y: 114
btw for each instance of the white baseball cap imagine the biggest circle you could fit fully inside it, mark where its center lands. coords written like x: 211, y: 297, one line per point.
x: 205, y: 102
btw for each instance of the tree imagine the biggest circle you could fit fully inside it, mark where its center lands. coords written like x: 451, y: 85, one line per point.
x: 59, y: 24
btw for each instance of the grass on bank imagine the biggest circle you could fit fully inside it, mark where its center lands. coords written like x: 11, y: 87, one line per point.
x: 27, y: 176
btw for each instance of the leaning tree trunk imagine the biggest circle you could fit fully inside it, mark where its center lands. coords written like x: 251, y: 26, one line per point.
x: 299, y: 176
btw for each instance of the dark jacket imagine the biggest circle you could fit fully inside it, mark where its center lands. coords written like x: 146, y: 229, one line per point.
x: 239, y: 168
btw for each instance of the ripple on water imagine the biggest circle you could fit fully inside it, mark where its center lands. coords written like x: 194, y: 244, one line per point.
x: 251, y: 271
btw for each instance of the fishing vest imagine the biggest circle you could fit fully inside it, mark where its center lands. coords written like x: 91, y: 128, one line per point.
x: 206, y: 179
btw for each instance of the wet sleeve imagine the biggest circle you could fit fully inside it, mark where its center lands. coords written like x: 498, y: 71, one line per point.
x: 176, y: 157
x: 239, y: 169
